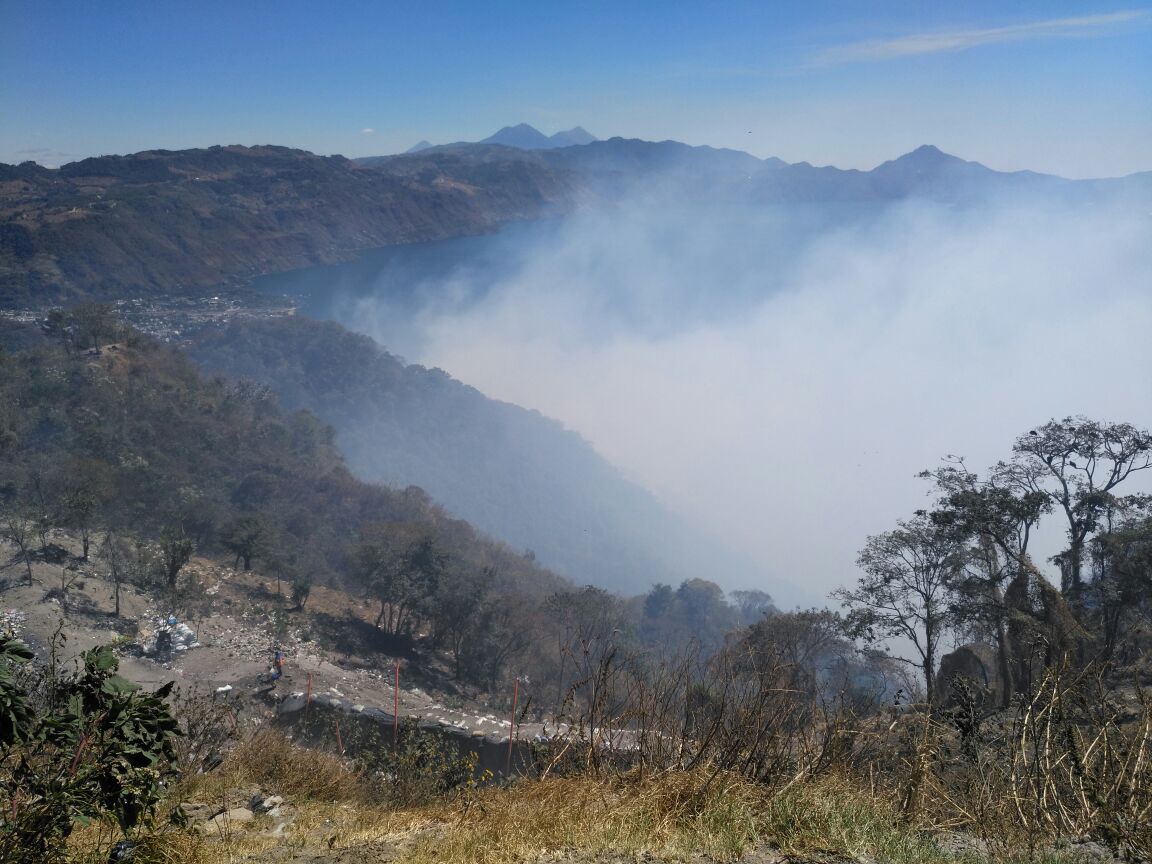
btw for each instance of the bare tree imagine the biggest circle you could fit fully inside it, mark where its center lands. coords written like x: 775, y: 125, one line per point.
x: 20, y: 529
x: 904, y: 590
x: 116, y: 553
x: 176, y: 549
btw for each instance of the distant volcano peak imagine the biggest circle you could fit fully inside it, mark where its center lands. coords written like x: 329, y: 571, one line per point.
x: 527, y: 137
x: 927, y: 154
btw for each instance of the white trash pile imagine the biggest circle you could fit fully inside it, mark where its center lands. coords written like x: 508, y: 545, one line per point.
x: 168, y: 636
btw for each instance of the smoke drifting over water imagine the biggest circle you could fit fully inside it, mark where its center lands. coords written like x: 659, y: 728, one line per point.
x: 780, y: 376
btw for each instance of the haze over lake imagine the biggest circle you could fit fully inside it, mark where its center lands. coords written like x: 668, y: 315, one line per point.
x: 767, y: 370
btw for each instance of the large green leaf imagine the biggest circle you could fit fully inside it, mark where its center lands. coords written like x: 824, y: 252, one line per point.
x: 116, y: 685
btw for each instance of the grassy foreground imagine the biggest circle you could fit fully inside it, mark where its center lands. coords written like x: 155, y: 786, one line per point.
x: 671, y: 816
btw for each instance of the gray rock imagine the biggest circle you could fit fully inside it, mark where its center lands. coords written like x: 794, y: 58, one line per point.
x: 1088, y: 852
x: 227, y: 819
x: 960, y: 844
x: 265, y: 804
x: 199, y: 812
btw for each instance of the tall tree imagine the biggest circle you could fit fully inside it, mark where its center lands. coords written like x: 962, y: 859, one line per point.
x: 995, y: 517
x: 460, y: 609
x: 753, y: 605
x: 246, y: 537
x: 1077, y: 463
x: 81, y: 491
x: 116, y: 553
x: 402, y: 578
x: 904, y: 590
x: 176, y: 550
x: 1122, y: 588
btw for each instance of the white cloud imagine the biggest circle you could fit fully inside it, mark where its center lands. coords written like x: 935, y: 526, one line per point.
x: 947, y: 41
x: 367, y: 131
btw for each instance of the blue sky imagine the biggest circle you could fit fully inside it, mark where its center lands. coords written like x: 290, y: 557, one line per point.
x: 1053, y: 86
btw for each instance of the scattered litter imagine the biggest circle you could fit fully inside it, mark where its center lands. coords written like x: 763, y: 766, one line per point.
x: 12, y: 622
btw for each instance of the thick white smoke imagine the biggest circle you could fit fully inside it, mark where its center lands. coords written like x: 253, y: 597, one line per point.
x: 784, y: 387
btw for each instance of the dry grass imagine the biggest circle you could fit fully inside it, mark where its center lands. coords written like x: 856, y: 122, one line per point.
x: 918, y: 778
x: 670, y: 816
x: 91, y: 845
x: 269, y: 760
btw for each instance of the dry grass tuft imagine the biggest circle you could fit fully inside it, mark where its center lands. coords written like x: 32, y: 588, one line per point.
x: 672, y: 815
x: 835, y: 815
x: 92, y: 845
x: 269, y: 760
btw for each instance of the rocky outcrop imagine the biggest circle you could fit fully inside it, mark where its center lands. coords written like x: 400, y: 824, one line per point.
x: 974, y: 665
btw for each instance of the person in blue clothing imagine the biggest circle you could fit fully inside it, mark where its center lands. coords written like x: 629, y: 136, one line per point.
x: 277, y: 664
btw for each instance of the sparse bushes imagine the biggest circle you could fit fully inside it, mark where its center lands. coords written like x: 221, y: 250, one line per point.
x: 1073, y: 759
x: 421, y: 768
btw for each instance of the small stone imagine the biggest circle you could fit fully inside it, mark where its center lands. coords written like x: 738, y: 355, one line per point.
x: 265, y: 804
x: 227, y: 819
x: 195, y: 812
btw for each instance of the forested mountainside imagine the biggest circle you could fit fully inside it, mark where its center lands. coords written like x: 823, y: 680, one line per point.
x: 173, y: 222
x: 512, y: 473
x: 162, y: 222
x: 111, y: 438
x: 129, y: 438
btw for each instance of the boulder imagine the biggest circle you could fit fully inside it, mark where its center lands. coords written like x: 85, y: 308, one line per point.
x: 975, y: 663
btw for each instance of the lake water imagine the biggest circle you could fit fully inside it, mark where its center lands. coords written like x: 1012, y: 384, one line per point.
x: 650, y: 271
x: 403, y: 283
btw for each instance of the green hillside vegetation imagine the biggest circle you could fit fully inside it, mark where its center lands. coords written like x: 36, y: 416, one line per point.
x: 109, y: 434
x: 165, y: 222
x: 129, y: 441
x: 511, y: 472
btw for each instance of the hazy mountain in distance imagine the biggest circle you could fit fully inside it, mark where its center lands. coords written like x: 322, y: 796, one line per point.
x: 575, y: 136
x: 525, y: 137
x: 513, y: 473
x: 91, y: 228
x: 522, y: 136
x: 615, y: 166
x: 926, y: 172
x: 418, y: 146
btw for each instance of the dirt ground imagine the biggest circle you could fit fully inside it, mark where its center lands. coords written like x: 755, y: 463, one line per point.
x: 332, y: 648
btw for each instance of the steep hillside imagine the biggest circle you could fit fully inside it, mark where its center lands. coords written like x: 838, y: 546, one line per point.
x: 131, y: 438
x: 175, y: 222
x: 513, y: 473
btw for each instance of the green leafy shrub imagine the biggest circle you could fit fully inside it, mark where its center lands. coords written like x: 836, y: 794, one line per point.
x: 88, y: 746
x: 421, y: 767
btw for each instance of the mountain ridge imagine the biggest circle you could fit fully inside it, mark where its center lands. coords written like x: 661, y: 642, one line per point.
x: 159, y: 223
